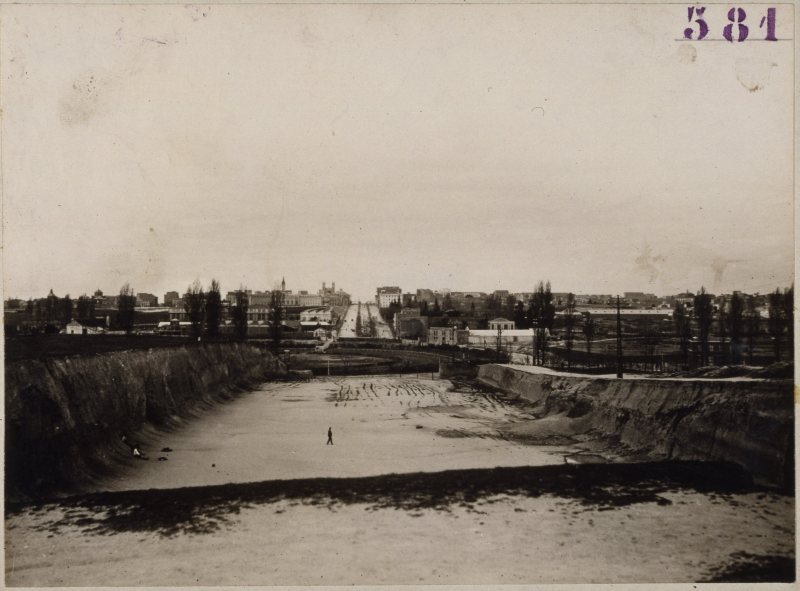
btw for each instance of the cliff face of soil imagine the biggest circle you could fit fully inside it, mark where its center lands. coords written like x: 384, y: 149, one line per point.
x: 65, y: 416
x: 749, y: 422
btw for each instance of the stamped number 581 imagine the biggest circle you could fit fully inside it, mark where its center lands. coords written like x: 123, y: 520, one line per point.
x: 735, y: 30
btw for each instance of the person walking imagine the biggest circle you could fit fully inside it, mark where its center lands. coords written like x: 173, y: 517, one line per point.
x: 330, y: 437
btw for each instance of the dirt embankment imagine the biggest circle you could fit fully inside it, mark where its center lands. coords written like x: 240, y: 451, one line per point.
x: 749, y: 422
x: 65, y: 416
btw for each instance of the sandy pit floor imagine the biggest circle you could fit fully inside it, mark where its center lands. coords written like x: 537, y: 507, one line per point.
x: 421, y: 486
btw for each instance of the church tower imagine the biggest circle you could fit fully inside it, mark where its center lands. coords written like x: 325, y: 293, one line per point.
x: 283, y: 284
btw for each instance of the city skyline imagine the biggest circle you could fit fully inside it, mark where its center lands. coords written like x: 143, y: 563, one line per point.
x: 412, y: 290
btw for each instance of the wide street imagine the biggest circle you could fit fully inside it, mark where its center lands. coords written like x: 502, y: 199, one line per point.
x: 368, y: 311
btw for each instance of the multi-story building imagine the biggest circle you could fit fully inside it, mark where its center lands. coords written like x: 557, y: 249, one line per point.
x: 686, y: 298
x: 386, y: 296
x: 170, y: 298
x: 146, y: 300
x: 409, y: 324
x: 638, y: 299
x: 445, y: 335
x: 178, y: 314
x: 305, y: 299
x: 258, y: 299
x: 331, y: 297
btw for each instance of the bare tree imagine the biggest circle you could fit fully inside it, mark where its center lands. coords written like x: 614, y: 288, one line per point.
x: 735, y: 320
x: 239, y: 313
x: 589, y: 332
x: 704, y: 314
x: 542, y: 313
x: 447, y: 303
x: 652, y: 337
x: 776, y: 323
x: 276, y: 312
x: 213, y: 309
x: 85, y: 308
x: 683, y: 329
x: 722, y: 323
x: 126, y: 303
x: 752, y: 326
x: 194, y: 304
x: 569, y: 326
x: 788, y: 317
x: 66, y: 309
x: 51, y: 308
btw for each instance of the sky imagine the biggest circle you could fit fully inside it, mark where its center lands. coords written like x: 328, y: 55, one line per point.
x: 471, y: 147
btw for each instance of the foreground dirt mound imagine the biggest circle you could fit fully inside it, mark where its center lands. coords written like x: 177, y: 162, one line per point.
x: 750, y: 422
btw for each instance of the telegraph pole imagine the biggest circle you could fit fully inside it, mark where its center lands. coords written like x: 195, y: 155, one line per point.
x: 619, y: 341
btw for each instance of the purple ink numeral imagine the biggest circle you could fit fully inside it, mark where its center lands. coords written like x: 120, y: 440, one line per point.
x: 688, y: 31
x: 736, y: 16
x: 770, y: 18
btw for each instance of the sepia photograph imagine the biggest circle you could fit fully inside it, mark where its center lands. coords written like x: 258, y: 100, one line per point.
x: 326, y: 294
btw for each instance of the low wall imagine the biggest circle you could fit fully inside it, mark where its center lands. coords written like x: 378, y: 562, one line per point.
x: 749, y: 422
x: 65, y: 416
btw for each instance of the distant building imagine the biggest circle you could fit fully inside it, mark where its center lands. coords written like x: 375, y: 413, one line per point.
x: 170, y: 298
x: 146, y: 300
x: 257, y: 315
x: 488, y: 338
x: 331, y: 297
x: 259, y: 298
x: 321, y: 315
x: 386, y: 296
x: 501, y: 324
x: 627, y: 312
x: 178, y: 313
x: 425, y: 295
x: 594, y: 299
x: 560, y: 298
x: 686, y: 298
x: 638, y: 299
x: 444, y: 335
x: 310, y: 299
x: 85, y: 327
x: 106, y: 302
x: 408, y: 323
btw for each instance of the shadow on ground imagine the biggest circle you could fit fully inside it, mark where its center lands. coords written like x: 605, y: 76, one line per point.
x: 744, y: 567
x: 205, y: 509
